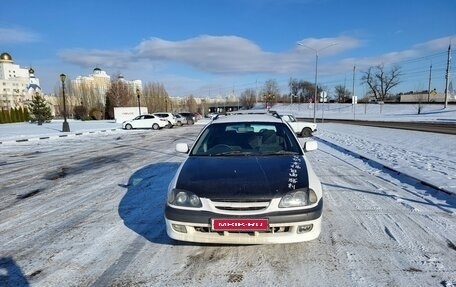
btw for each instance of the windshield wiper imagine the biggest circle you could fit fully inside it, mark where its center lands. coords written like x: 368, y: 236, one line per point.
x: 236, y: 152
x: 280, y: 152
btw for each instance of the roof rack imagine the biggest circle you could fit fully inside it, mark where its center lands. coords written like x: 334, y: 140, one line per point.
x: 254, y: 112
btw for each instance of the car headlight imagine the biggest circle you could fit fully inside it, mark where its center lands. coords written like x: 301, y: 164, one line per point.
x: 298, y: 198
x: 184, y: 198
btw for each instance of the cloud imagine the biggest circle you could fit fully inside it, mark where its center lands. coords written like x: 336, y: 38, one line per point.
x: 216, y: 54
x: 233, y: 54
x: 17, y: 35
x: 436, y: 44
x: 333, y: 45
x: 207, y: 55
x: 98, y: 58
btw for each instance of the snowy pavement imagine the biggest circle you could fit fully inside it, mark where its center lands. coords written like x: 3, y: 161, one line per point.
x: 87, y: 211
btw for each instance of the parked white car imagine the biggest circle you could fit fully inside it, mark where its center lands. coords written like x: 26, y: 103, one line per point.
x: 302, y: 129
x: 180, y: 120
x: 145, y: 122
x: 246, y: 180
x: 168, y: 116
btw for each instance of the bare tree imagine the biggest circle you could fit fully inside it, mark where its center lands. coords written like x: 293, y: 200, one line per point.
x: 342, y: 93
x: 156, y: 98
x: 248, y: 98
x: 270, y: 92
x: 303, y: 90
x: 191, y: 104
x: 380, y: 82
x: 118, y: 95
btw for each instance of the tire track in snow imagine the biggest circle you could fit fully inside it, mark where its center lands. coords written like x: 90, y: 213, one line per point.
x: 375, y: 218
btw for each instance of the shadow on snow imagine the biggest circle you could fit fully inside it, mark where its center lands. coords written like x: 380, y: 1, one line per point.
x: 11, y: 274
x: 142, y: 206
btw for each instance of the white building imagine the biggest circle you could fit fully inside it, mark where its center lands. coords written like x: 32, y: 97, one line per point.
x: 99, y: 79
x: 132, y: 85
x: 17, y: 85
x: 92, y: 89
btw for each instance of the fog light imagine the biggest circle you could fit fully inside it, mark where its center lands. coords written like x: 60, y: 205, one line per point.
x: 179, y: 228
x: 304, y: 228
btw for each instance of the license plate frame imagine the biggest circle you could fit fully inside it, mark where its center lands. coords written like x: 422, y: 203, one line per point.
x: 239, y: 224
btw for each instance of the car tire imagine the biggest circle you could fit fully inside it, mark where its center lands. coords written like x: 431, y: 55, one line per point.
x: 190, y: 122
x: 169, y: 125
x: 128, y: 127
x: 155, y: 127
x: 306, y: 132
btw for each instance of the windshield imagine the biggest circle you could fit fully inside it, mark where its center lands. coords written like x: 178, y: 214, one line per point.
x: 232, y: 139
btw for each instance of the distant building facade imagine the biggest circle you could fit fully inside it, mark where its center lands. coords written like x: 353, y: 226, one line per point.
x: 91, y: 90
x: 17, y: 85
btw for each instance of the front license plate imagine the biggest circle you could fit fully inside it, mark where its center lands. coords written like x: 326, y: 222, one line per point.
x: 232, y: 224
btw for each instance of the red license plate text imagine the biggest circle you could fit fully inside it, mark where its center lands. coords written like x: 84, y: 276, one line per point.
x: 231, y: 224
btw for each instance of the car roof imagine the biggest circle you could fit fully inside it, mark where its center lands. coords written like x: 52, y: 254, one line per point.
x: 244, y: 118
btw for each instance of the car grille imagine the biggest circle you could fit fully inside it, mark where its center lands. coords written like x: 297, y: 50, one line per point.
x: 283, y: 229
x: 241, y: 206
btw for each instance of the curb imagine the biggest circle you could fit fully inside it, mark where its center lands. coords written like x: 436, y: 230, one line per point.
x: 57, y: 136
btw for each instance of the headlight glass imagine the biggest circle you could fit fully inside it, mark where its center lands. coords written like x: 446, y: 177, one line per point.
x: 184, y: 198
x: 298, y: 198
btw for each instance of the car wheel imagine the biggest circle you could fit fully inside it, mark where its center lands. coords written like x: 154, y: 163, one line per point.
x: 169, y: 125
x: 179, y: 124
x: 306, y: 132
x: 155, y: 127
x: 190, y: 122
x: 128, y: 127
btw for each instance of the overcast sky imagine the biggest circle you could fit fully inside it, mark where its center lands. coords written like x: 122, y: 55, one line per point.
x: 211, y: 48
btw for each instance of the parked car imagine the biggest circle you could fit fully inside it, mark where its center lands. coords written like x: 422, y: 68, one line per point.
x: 180, y: 120
x: 302, y: 129
x: 145, y: 122
x: 169, y: 117
x: 246, y: 180
x: 191, y: 118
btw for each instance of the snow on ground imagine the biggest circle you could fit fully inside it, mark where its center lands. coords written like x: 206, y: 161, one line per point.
x: 86, y: 210
x: 382, y: 112
x: 425, y: 156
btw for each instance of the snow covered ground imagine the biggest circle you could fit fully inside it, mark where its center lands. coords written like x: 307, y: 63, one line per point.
x: 85, y: 209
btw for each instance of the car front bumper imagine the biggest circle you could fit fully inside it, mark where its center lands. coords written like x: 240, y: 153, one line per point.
x: 284, y: 227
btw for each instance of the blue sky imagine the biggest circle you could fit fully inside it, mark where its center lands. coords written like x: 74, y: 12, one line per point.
x: 211, y: 48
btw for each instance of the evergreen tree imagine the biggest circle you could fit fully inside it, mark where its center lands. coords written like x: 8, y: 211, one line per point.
x: 7, y: 116
x: 40, y: 111
x: 26, y: 114
x: 2, y: 117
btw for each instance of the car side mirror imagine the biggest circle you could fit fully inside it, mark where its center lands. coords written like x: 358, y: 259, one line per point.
x: 310, y: 145
x: 182, y: 147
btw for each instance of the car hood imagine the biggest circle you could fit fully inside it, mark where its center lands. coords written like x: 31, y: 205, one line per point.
x: 242, y: 178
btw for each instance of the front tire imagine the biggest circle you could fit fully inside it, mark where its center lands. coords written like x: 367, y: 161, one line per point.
x: 128, y: 127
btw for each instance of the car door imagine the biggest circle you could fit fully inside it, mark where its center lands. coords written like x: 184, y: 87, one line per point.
x: 141, y: 122
x: 149, y: 120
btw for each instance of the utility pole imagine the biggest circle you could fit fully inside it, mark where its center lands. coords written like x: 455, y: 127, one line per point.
x: 429, y: 86
x: 447, y: 76
x: 353, y: 91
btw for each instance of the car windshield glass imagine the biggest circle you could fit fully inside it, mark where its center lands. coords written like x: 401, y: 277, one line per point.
x: 246, y: 139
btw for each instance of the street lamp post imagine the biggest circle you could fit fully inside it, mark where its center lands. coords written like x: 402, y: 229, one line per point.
x: 316, y: 74
x: 139, y: 102
x: 66, y: 126
x: 40, y: 116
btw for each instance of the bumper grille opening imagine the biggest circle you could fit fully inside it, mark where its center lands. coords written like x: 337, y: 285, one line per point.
x: 270, y: 230
x: 241, y: 206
